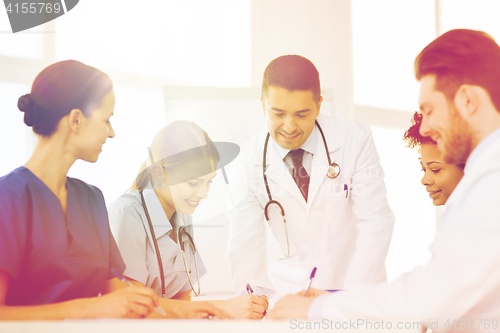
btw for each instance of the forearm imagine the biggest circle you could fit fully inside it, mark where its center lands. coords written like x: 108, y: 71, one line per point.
x: 188, y: 309
x: 172, y: 307
x: 218, y: 303
x: 73, y: 309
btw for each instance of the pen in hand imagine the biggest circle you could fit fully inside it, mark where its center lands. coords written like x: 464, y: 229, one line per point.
x: 250, y: 290
x: 313, y: 273
x: 130, y: 284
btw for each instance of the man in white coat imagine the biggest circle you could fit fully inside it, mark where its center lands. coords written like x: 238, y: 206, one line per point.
x: 337, y: 218
x: 459, y: 288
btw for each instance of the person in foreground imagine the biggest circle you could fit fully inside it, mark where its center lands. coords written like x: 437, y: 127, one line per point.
x: 459, y: 98
x: 56, y: 249
x: 440, y: 178
x: 156, y: 215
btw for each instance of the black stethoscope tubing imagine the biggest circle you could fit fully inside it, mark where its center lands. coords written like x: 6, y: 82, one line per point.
x: 333, y: 172
x: 264, y: 159
x: 180, y: 234
x: 157, y: 250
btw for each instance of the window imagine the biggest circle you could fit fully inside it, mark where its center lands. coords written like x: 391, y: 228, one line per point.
x: 14, y: 135
x: 387, y: 36
x: 26, y: 44
x: 193, y: 42
x: 415, y: 215
x: 479, y: 15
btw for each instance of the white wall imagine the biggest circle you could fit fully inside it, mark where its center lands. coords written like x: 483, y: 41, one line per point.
x: 318, y: 30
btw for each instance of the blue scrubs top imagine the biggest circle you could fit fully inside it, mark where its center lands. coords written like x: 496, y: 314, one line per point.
x: 51, y: 259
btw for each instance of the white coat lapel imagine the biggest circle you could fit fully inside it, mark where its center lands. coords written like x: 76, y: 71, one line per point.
x: 320, y: 160
x: 278, y: 173
x: 318, y: 169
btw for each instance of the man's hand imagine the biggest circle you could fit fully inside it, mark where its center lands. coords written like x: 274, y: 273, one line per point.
x: 291, y: 307
x: 313, y: 292
x: 245, y: 306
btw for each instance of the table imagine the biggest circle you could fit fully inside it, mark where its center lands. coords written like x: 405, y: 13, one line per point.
x: 188, y: 326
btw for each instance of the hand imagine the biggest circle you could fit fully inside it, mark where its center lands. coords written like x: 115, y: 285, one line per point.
x: 245, y: 306
x: 200, y: 309
x: 313, y: 292
x: 130, y: 302
x: 291, y: 307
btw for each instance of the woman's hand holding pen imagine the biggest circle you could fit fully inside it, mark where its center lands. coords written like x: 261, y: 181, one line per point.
x: 128, y: 302
x: 245, y: 306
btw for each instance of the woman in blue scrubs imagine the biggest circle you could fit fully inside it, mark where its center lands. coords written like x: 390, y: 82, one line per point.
x: 56, y: 249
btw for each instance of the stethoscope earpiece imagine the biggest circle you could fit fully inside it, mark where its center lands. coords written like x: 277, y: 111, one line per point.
x: 333, y: 170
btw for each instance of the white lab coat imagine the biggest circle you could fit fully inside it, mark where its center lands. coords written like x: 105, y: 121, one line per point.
x: 462, y: 278
x: 345, y: 234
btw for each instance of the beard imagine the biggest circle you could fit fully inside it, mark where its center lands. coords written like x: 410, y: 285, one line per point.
x: 458, y: 142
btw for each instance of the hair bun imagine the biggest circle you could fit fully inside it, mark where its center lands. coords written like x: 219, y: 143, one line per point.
x: 27, y: 105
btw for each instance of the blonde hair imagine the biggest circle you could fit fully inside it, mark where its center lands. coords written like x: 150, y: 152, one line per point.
x: 179, y: 143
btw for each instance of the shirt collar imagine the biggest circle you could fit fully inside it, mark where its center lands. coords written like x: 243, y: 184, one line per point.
x: 161, y: 224
x: 481, y: 147
x: 309, y: 145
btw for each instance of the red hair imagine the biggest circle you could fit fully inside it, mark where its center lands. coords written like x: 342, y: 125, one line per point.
x: 460, y: 57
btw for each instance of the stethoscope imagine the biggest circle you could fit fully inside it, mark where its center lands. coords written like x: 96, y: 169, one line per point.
x: 333, y: 172
x: 183, y: 236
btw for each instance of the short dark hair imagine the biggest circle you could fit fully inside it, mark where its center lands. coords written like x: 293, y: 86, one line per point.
x: 460, y: 57
x: 60, y: 88
x: 412, y: 135
x: 292, y: 72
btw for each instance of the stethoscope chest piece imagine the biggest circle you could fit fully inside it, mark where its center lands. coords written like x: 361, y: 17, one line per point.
x: 333, y: 170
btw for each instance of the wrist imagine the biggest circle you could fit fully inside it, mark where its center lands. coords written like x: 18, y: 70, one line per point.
x: 82, y: 308
x: 173, y: 308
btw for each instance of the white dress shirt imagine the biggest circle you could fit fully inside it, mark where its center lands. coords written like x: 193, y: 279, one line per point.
x: 309, y: 148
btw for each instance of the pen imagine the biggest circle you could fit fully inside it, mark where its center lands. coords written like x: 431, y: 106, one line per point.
x: 250, y: 290
x: 130, y: 284
x: 313, y: 273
